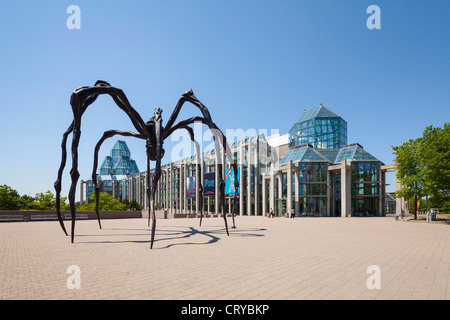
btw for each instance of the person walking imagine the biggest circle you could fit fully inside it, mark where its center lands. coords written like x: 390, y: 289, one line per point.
x: 292, y: 213
x: 271, y: 213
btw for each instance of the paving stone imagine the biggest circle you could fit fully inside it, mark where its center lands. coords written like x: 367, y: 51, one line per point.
x: 264, y: 259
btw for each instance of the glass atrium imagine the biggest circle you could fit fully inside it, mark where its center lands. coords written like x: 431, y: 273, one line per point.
x: 320, y: 128
x: 115, y: 169
x: 318, y: 140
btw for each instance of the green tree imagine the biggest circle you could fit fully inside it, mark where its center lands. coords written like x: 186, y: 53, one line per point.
x: 106, y: 203
x: 9, y: 198
x: 47, y: 201
x: 435, y: 154
x: 423, y: 167
x: 409, y: 170
x: 44, y: 201
x: 27, y: 202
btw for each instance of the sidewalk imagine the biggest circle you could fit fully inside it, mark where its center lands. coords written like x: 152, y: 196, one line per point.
x: 301, y: 258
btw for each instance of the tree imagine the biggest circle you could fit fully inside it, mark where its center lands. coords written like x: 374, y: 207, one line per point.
x: 409, y: 170
x: 9, y: 198
x: 27, y: 202
x: 47, y: 201
x: 423, y: 167
x: 106, y: 203
x: 435, y: 154
x: 44, y: 201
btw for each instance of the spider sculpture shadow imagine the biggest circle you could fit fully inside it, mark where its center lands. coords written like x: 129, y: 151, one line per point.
x: 153, y: 132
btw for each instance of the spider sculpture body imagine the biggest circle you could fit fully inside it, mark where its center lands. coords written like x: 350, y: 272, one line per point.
x: 152, y: 132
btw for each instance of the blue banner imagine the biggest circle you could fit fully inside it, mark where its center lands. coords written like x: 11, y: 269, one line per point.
x: 229, y: 177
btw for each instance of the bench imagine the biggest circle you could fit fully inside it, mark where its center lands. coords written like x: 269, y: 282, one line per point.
x: 11, y: 218
x: 43, y: 217
x: 78, y: 216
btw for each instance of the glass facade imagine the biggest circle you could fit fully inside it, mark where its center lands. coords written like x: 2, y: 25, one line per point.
x: 320, y: 128
x: 365, y: 177
x: 317, y: 140
x: 316, y: 207
x: 115, y: 168
x: 120, y: 162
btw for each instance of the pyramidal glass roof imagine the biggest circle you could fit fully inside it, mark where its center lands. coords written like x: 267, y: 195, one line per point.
x: 307, y: 153
x: 354, y: 153
x: 317, y: 112
x: 119, y: 162
x: 303, y: 154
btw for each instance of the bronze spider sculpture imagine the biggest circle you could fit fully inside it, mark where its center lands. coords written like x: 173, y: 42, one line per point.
x: 153, y: 132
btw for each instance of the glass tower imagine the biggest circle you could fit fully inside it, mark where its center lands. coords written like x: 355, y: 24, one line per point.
x: 320, y: 128
x: 119, y: 162
x: 115, y: 168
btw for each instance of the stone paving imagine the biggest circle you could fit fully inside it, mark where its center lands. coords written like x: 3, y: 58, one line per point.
x: 264, y: 259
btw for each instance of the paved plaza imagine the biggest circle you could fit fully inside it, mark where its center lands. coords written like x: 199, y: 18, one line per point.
x: 269, y: 259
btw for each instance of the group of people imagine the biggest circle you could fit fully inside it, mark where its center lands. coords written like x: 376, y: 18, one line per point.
x: 271, y: 213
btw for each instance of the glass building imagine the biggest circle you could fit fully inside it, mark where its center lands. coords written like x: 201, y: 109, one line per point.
x: 319, y: 159
x: 320, y: 128
x: 114, y: 172
x: 312, y: 170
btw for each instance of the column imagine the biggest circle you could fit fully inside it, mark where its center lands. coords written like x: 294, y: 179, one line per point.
x: 399, y: 202
x: 185, y: 174
x: 241, y: 180
x: 202, y: 179
x: 124, y: 189
x: 81, y: 192
x: 216, y: 183
x: 289, y: 187
x: 272, y: 187
x: 170, y: 189
x: 328, y: 193
x: 382, y: 195
x: 197, y: 181
x: 138, y: 188
x: 345, y: 190
x: 280, y: 191
x: 297, y: 193
x: 167, y: 188
x: 256, y: 178
x: 249, y: 179
x: 263, y: 194
x: 147, y: 185
x: 130, y: 188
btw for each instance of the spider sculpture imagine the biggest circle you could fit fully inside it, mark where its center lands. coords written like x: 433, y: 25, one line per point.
x: 152, y: 132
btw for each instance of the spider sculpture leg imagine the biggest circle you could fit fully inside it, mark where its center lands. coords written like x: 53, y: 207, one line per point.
x: 189, y: 96
x: 200, y: 191
x: 159, y: 154
x: 79, y: 101
x: 58, y: 180
x: 148, y: 191
x: 106, y: 135
x: 218, y: 136
x: 197, y: 183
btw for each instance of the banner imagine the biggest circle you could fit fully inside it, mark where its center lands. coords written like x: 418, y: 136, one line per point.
x: 209, y: 186
x: 190, y: 187
x: 229, y: 177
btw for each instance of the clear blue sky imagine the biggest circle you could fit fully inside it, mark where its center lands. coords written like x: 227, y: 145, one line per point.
x: 255, y: 64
